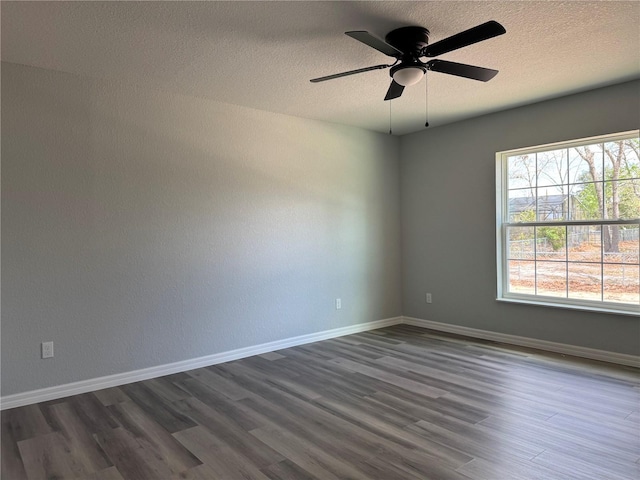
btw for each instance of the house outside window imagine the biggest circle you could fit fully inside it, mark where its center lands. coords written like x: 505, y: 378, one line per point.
x: 568, y: 224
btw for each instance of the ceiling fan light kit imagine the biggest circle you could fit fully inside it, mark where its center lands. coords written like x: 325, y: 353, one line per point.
x: 408, y: 44
x: 407, y: 75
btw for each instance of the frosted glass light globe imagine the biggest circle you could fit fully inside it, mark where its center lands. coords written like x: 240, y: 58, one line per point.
x: 408, y: 76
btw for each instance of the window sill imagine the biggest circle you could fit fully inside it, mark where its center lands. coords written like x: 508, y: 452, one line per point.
x: 587, y: 308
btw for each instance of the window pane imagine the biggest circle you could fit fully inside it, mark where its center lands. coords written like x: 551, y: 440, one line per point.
x: 585, y: 204
x: 521, y: 277
x: 522, y: 205
x: 520, y: 243
x: 552, y: 168
x: 551, y: 243
x: 553, y: 203
x: 584, y: 243
x: 551, y: 279
x: 622, y: 199
x: 621, y: 243
x: 586, y: 201
x: 621, y: 157
x: 621, y: 284
x: 521, y: 171
x: 585, y: 281
x: 630, y: 167
x: 630, y: 243
x: 585, y: 164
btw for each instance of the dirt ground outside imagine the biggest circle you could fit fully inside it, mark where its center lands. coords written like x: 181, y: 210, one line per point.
x: 579, y: 274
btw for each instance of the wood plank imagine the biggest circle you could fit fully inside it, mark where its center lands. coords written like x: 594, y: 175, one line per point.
x: 272, y: 356
x: 110, y: 473
x: 220, y: 384
x: 220, y: 403
x: 481, y: 469
x: 305, y: 455
x: 569, y: 465
x: 352, y: 442
x: 26, y: 422
x: 92, y: 413
x: 480, y: 443
x: 229, y: 434
x: 550, y: 437
x: 166, y: 389
x: 390, y: 378
x: 161, y: 411
x: 140, y: 424
x: 111, y: 396
x: 225, y: 461
x: 80, y: 441
x: 135, y: 458
x: 287, y: 470
x: 400, y: 403
x: 10, y: 459
x: 201, y: 472
x: 50, y: 456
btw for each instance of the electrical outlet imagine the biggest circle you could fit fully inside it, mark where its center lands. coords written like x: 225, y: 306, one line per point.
x: 428, y: 298
x: 47, y: 349
x: 338, y: 303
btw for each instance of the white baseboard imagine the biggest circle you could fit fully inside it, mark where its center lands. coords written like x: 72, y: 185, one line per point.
x: 92, y: 384
x: 584, y: 352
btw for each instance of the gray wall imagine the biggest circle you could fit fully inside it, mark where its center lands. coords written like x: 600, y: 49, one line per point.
x: 448, y: 218
x: 142, y: 228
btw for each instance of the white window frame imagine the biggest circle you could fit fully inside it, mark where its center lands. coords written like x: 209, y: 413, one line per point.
x: 502, y: 216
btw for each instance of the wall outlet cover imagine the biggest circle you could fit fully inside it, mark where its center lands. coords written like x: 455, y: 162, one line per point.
x: 47, y: 349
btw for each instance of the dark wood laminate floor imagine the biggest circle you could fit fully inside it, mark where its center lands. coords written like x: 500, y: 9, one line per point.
x: 396, y: 403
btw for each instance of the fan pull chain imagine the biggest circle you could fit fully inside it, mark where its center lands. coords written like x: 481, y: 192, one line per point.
x: 390, y: 132
x: 426, y: 101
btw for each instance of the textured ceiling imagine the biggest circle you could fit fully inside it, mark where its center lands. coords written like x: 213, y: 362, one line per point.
x: 262, y: 54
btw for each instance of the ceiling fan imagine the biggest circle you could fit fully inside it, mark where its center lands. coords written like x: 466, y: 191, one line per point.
x: 408, y: 44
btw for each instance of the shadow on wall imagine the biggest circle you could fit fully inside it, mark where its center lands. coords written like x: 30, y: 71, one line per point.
x: 187, y: 227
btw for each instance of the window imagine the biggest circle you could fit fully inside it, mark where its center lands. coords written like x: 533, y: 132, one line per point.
x: 568, y: 224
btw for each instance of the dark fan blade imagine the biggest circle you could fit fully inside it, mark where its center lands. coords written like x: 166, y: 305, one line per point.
x: 373, y: 42
x: 462, y: 70
x: 350, y: 72
x: 468, y: 37
x: 395, y: 90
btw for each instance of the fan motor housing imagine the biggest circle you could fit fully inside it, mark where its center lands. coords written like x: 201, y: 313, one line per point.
x: 408, y: 39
